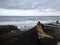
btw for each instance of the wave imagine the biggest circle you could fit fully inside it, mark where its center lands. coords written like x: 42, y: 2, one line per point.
x: 24, y: 25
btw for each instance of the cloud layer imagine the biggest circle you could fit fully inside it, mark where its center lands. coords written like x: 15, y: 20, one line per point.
x: 30, y: 4
x: 29, y: 7
x: 13, y: 12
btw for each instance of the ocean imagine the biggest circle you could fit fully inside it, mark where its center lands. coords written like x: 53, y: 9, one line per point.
x: 28, y: 21
x: 34, y: 18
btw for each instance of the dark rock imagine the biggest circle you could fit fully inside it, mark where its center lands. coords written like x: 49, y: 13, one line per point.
x: 9, y: 34
x: 40, y: 34
x: 52, y: 30
x: 29, y: 37
x: 7, y: 28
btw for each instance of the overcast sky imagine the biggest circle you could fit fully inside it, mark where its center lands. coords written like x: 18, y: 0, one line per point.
x: 29, y: 7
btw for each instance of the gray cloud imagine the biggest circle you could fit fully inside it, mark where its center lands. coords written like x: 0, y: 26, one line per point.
x: 30, y: 4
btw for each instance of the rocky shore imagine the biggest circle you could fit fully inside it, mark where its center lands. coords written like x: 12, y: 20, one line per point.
x: 41, y: 34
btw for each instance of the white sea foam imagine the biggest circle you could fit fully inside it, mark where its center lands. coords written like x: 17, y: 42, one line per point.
x: 24, y: 25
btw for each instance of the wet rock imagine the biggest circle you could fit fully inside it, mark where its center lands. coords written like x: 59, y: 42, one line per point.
x: 38, y: 35
x: 9, y: 34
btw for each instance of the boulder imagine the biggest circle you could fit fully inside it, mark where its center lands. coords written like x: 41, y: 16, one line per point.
x: 9, y: 34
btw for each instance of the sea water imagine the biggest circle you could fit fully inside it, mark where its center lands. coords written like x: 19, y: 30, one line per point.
x: 23, y: 18
x: 26, y: 22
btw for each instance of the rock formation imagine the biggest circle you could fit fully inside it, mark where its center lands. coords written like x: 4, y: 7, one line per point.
x: 38, y: 35
x: 41, y: 33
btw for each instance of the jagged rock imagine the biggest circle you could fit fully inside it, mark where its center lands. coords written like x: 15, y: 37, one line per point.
x: 53, y: 30
x: 38, y: 35
x: 41, y: 33
x: 11, y: 35
x: 45, y: 38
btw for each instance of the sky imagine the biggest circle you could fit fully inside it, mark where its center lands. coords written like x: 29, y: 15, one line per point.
x: 29, y: 7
